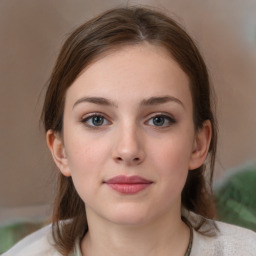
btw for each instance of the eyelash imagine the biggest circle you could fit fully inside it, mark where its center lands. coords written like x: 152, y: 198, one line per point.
x: 86, y: 119
x: 170, y: 120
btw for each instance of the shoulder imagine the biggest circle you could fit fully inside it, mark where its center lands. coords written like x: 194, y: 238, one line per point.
x: 38, y: 243
x: 228, y: 240
x: 237, y: 238
x: 235, y: 232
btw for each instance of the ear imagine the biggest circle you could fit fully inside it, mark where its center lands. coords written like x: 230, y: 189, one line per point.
x: 56, y: 146
x: 201, y: 145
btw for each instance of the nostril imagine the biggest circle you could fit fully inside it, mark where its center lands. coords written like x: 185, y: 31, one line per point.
x: 136, y: 159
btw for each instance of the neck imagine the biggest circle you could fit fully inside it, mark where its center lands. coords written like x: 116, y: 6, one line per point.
x: 168, y: 235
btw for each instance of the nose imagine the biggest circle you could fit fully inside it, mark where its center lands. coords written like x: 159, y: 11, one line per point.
x: 129, y: 147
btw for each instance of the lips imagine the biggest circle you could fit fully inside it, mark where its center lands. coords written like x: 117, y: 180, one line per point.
x: 128, y: 184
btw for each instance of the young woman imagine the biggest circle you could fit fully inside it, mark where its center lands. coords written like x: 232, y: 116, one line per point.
x: 129, y: 121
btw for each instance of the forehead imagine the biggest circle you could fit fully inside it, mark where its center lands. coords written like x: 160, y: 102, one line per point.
x: 145, y: 70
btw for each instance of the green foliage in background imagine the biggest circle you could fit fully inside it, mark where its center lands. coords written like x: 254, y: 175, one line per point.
x: 236, y: 197
x: 13, y: 232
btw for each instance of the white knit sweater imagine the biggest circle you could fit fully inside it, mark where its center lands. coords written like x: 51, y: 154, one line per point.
x: 229, y: 241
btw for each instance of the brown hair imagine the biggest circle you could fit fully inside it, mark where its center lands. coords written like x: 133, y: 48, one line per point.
x: 108, y: 31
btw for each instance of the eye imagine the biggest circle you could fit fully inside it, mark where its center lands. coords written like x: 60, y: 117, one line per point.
x: 95, y: 120
x: 161, y: 121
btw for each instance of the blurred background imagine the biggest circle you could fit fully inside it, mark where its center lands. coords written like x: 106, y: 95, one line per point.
x: 32, y: 33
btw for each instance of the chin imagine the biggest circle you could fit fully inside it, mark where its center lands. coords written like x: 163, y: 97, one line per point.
x: 129, y: 216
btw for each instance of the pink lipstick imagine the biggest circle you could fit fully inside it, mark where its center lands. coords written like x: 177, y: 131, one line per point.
x: 128, y: 184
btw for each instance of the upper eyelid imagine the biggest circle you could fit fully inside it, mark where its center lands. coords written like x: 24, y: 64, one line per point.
x: 85, y: 116
x: 164, y: 114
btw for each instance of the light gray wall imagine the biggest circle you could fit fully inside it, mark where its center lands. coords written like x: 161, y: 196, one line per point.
x: 31, y: 34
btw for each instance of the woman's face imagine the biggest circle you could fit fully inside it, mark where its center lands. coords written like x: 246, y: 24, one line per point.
x: 128, y: 138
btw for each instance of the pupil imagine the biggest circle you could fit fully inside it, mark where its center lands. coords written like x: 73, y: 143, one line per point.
x: 158, y: 121
x: 97, y: 120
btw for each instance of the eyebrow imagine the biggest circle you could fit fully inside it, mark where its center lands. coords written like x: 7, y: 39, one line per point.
x: 96, y: 100
x: 146, y: 102
x: 160, y: 100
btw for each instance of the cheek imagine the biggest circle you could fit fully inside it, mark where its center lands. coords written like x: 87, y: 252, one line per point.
x: 174, y: 151
x: 86, y: 156
x: 85, y: 162
x: 85, y: 151
x: 171, y: 159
